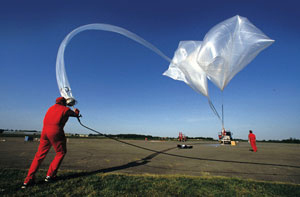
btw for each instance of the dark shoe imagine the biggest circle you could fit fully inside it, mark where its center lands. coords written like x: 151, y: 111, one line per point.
x: 50, y: 179
x: 28, y: 184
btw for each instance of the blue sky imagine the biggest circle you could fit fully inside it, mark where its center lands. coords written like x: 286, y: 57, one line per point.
x: 119, y: 84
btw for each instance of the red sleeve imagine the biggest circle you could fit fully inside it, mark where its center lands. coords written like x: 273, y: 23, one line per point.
x: 71, y: 113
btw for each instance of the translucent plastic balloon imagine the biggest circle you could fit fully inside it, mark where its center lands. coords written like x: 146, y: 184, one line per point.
x: 184, y: 67
x: 226, y: 49
x: 230, y: 46
x: 61, y: 76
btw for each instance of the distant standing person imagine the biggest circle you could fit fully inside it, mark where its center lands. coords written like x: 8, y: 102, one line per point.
x: 252, y: 140
x: 52, y: 135
x: 223, y: 132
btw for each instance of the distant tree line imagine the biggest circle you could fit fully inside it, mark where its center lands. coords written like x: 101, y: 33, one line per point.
x: 18, y: 130
x: 201, y: 138
x: 290, y: 140
x: 130, y: 136
x: 17, y: 133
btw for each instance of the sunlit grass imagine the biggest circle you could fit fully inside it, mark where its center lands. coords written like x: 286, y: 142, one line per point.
x: 79, y: 183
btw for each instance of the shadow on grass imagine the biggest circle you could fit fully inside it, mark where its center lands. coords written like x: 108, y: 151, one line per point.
x: 140, y: 162
x: 181, y: 156
x: 148, y: 158
x: 132, y: 164
x: 164, y: 152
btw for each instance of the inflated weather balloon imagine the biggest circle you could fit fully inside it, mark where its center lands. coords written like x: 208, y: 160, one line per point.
x: 61, y: 76
x: 184, y: 67
x: 230, y: 46
x: 226, y: 49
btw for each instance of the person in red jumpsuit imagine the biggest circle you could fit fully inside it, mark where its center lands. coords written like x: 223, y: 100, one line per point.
x: 223, y: 132
x: 252, y: 140
x: 52, y: 135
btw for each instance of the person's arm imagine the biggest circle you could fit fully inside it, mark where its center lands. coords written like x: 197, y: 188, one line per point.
x: 72, y: 113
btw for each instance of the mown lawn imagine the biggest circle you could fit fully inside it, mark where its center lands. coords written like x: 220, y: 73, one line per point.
x: 79, y: 183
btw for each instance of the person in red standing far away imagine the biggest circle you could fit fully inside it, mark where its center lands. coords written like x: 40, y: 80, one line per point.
x: 52, y: 135
x: 252, y: 140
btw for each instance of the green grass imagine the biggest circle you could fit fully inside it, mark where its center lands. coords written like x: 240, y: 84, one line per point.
x: 79, y: 183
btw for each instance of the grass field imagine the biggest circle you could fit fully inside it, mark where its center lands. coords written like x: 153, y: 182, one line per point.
x: 79, y: 183
x: 103, y: 167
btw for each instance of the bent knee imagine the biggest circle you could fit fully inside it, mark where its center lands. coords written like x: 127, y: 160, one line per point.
x: 61, y: 153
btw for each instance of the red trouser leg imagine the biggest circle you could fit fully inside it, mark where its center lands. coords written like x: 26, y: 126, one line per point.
x: 253, y: 145
x: 59, y: 144
x: 43, y: 149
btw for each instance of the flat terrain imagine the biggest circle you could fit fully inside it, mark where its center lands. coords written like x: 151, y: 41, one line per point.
x: 272, y: 162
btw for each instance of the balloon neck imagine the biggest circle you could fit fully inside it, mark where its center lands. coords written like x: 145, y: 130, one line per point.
x: 71, y: 101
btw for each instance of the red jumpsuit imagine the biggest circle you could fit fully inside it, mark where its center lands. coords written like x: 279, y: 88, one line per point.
x: 52, y: 135
x: 252, y: 140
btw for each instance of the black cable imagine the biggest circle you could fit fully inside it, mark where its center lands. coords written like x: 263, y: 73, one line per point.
x: 186, y: 157
x: 78, y: 118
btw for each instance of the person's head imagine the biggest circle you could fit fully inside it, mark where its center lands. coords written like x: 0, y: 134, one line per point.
x: 250, y: 131
x: 61, y: 101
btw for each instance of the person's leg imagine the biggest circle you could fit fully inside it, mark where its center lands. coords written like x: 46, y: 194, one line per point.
x: 253, y: 145
x: 59, y: 145
x: 43, y: 149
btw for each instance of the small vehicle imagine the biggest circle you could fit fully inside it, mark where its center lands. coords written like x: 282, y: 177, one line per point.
x: 225, y: 137
x: 184, y: 146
